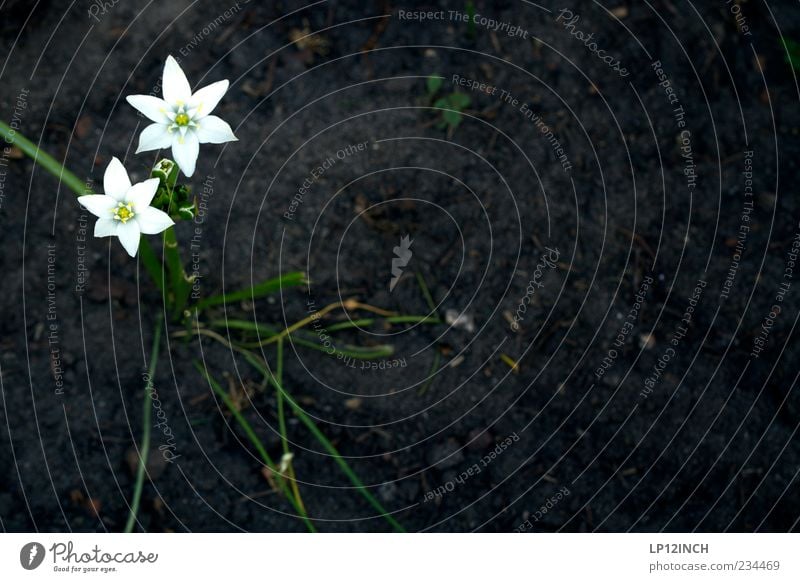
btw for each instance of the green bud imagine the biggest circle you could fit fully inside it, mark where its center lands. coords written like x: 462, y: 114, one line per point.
x: 167, y: 171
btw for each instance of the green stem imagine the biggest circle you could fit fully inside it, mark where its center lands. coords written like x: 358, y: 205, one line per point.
x: 44, y: 159
x: 284, y: 434
x: 370, y: 321
x: 426, y: 292
x: 281, y: 414
x: 180, y: 286
x: 309, y: 341
x: 431, y: 373
x: 144, y: 450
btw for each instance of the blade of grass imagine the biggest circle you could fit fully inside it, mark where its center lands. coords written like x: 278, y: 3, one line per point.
x: 281, y: 415
x: 259, y: 328
x: 346, y: 351
x: 144, y: 449
x: 426, y: 292
x: 287, y: 455
x: 431, y: 373
x: 305, y: 419
x: 256, y: 442
x: 44, y: 159
x: 262, y: 289
x: 391, y: 320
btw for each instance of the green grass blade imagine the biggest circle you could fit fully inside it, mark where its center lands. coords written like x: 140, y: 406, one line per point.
x: 240, y: 324
x: 144, y: 450
x: 426, y: 292
x: 44, y: 159
x: 397, y: 319
x: 431, y: 373
x: 347, y: 351
x: 307, y: 340
x: 262, y: 289
x: 281, y: 415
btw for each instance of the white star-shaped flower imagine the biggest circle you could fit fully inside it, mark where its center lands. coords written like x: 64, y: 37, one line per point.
x: 182, y: 118
x: 124, y: 210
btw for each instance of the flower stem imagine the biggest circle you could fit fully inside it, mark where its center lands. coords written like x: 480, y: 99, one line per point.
x: 144, y: 450
x: 179, y: 286
x: 282, y: 426
x: 44, y: 159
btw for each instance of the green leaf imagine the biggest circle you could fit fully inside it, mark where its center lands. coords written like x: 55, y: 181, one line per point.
x: 792, y: 54
x: 308, y: 340
x: 262, y: 289
x: 44, y: 159
x: 260, y: 328
x: 459, y: 101
x: 451, y: 118
x: 347, y: 351
x: 433, y: 85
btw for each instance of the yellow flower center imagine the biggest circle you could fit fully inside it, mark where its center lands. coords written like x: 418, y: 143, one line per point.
x: 182, y: 119
x: 124, y: 212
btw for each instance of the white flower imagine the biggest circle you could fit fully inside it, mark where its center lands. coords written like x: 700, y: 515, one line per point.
x: 124, y: 211
x: 182, y: 118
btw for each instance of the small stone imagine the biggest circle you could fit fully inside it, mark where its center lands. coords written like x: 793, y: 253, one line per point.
x: 156, y: 463
x: 387, y: 492
x: 458, y: 320
x: 479, y: 439
x: 445, y: 455
x: 620, y: 11
x: 647, y: 341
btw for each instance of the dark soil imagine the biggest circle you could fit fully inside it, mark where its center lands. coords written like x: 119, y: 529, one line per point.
x: 704, y: 440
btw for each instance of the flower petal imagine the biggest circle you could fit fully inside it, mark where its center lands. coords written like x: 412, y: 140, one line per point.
x: 141, y: 194
x: 152, y: 220
x: 105, y: 227
x: 212, y: 129
x: 174, y: 83
x: 185, y: 150
x: 206, y: 99
x: 98, y: 204
x: 154, y: 137
x: 129, y: 235
x: 115, y: 181
x: 153, y: 108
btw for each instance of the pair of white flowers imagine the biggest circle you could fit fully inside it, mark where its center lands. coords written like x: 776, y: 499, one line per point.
x: 182, y: 121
